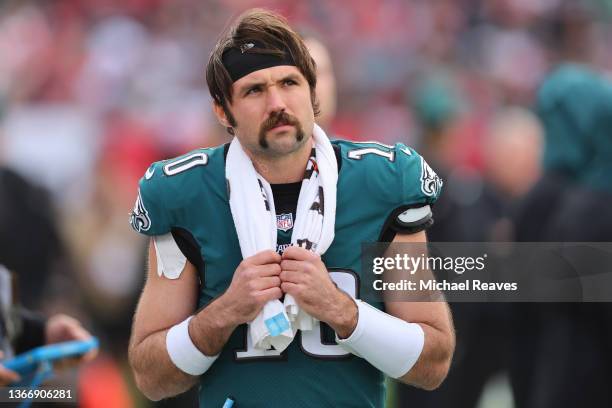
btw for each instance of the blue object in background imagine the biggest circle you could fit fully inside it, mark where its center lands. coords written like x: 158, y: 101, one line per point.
x: 35, y: 366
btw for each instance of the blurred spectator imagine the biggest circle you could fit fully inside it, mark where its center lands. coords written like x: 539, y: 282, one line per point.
x: 22, y: 330
x: 512, y: 151
x: 567, y: 109
x: 466, y: 212
x: 31, y: 243
x: 326, y: 81
x: 575, y: 103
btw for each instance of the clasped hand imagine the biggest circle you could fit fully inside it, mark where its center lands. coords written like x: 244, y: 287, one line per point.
x: 267, y: 276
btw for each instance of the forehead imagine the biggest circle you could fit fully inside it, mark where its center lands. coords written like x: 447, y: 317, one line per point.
x: 271, y: 74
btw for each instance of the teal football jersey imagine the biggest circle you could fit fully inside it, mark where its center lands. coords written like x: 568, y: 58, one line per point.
x: 190, y: 193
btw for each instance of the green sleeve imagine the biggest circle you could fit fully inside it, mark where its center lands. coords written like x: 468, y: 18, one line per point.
x: 149, y: 216
x: 420, y: 185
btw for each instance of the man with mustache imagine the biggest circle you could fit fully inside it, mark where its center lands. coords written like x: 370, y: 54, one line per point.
x: 210, y: 280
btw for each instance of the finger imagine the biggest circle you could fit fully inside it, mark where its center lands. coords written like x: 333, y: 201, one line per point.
x: 290, y: 288
x: 291, y: 265
x: 292, y: 276
x: 8, y: 376
x: 266, y: 283
x: 264, y: 257
x: 303, y: 267
x: 61, y: 327
x: 266, y: 270
x: 78, y: 332
x: 270, y: 294
x: 297, y: 253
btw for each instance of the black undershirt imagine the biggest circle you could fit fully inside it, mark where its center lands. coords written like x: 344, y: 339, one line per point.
x: 286, y: 197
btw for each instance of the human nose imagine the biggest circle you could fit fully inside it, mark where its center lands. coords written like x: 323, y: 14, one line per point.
x: 275, y: 100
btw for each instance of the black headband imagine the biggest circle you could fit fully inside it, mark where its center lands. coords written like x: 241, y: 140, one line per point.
x: 241, y: 60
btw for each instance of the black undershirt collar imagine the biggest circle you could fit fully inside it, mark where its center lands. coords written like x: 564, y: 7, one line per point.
x: 286, y: 197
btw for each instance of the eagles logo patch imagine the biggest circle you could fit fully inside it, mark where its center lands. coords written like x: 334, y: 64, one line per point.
x: 431, y: 184
x: 139, y: 217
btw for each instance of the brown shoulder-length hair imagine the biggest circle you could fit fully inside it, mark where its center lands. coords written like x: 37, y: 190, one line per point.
x: 269, y: 29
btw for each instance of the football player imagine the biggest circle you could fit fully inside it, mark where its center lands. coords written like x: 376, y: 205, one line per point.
x: 191, y: 322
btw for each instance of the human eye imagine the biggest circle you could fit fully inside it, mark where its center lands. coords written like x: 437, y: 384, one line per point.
x: 253, y: 90
x: 289, y: 82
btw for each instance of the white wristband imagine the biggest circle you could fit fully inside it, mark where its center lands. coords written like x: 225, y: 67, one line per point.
x: 390, y: 344
x: 183, y: 353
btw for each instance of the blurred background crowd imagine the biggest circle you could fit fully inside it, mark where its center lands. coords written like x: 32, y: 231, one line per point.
x: 93, y: 91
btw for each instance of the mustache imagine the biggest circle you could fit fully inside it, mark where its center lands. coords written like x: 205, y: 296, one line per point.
x: 279, y: 118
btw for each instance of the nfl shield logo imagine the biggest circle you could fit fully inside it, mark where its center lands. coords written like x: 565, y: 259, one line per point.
x: 284, y: 222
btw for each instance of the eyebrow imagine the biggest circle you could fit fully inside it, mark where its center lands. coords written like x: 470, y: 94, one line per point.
x: 293, y: 77
x: 248, y: 86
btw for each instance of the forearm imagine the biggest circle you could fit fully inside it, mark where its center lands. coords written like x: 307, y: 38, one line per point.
x: 433, y: 364
x: 212, y: 326
x: 342, y: 315
x: 156, y: 376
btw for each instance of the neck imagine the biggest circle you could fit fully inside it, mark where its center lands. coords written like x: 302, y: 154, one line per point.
x: 284, y: 169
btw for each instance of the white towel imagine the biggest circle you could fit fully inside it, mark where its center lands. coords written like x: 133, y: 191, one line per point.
x: 253, y: 211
